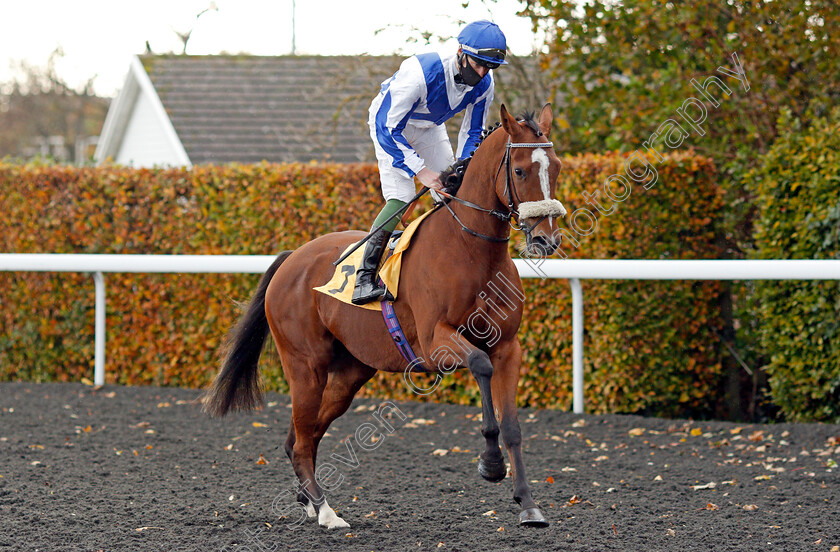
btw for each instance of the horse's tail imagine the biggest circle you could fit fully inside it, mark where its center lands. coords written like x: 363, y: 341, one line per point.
x: 237, y: 385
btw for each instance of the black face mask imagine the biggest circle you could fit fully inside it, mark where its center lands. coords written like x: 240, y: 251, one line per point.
x: 466, y: 74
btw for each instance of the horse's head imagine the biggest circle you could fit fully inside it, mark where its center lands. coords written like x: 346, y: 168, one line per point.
x: 531, y: 168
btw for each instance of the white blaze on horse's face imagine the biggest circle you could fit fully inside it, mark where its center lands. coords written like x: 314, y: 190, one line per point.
x: 540, y: 156
x: 546, y: 207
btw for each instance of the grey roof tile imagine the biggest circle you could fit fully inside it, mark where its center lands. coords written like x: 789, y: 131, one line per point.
x: 243, y: 108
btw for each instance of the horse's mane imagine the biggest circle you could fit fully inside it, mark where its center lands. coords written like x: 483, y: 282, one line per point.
x: 453, y: 176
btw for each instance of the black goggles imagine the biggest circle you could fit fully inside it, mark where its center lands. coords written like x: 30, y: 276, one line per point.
x: 496, y: 54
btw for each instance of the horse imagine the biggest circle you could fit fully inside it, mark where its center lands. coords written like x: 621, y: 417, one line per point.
x: 329, y: 349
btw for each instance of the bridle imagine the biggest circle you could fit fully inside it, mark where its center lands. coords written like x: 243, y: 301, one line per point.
x: 512, y: 196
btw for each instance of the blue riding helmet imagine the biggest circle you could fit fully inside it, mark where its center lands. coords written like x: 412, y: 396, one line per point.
x: 484, y: 41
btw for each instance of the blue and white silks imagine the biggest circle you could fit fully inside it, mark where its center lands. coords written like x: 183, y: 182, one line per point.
x: 423, y: 94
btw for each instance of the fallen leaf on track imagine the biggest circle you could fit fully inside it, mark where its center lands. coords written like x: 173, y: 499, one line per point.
x: 709, y: 485
x: 636, y: 431
x: 696, y: 432
x: 572, y: 501
x: 711, y: 507
x: 146, y: 528
x: 489, y: 513
x: 440, y: 452
x: 549, y: 480
x: 258, y: 424
x: 750, y: 507
x: 262, y: 460
x: 87, y: 381
x: 579, y: 423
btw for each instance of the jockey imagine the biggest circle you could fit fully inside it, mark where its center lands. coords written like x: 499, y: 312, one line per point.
x: 407, y: 121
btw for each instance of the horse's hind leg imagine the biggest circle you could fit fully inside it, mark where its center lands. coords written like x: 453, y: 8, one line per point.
x: 289, y: 448
x: 345, y: 377
x: 307, y: 377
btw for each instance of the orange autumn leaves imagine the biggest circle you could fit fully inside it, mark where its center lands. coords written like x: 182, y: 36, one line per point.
x: 647, y: 343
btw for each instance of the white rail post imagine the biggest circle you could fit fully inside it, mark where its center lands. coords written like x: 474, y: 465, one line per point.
x: 99, y: 330
x: 577, y: 345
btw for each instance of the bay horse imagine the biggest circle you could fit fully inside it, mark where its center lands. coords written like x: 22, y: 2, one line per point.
x: 329, y: 349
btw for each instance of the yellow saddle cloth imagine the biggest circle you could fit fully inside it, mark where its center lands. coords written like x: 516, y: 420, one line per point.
x: 343, y: 279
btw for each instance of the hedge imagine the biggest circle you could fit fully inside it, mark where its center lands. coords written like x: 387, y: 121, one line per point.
x: 649, y: 346
x: 797, y: 189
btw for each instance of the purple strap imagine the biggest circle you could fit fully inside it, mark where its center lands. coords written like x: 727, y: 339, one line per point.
x: 393, y: 325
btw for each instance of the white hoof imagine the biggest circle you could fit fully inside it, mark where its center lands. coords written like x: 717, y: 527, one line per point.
x: 327, y: 518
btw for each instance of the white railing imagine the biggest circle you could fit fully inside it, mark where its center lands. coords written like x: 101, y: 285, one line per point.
x: 573, y: 270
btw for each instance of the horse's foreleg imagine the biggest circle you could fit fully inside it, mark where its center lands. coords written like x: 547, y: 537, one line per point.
x: 504, y: 384
x: 491, y: 464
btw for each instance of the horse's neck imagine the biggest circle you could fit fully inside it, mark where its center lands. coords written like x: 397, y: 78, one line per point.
x: 479, y: 187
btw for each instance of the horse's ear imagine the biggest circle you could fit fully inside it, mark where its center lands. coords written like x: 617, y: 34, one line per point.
x: 508, y: 122
x: 546, y: 118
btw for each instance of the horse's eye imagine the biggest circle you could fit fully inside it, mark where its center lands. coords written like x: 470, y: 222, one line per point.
x: 519, y: 172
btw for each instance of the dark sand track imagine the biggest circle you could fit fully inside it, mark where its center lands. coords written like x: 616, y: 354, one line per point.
x: 139, y: 468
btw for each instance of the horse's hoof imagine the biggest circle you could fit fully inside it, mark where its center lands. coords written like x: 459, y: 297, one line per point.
x: 532, y: 517
x: 492, y: 471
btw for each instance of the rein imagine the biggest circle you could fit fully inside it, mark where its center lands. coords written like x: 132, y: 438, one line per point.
x: 510, y: 191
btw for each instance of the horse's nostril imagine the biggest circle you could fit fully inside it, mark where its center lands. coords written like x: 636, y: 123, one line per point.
x: 543, y: 246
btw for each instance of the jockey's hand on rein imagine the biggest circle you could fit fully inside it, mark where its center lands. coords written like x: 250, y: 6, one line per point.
x: 429, y: 179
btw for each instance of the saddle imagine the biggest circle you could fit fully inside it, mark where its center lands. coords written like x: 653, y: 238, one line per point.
x: 343, y: 280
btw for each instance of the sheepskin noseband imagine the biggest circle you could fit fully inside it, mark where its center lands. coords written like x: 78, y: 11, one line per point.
x: 543, y: 208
